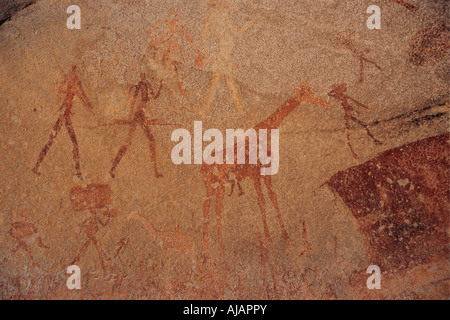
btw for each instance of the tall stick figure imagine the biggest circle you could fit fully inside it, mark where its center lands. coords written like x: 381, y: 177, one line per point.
x: 338, y: 92
x: 73, y: 89
x: 139, y: 117
x: 218, y: 25
x: 345, y: 41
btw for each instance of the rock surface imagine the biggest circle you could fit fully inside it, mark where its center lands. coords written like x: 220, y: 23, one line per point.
x: 87, y: 175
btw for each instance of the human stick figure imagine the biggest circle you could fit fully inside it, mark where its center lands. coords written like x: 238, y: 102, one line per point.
x: 73, y: 88
x: 338, y: 92
x: 25, y: 233
x: 346, y: 41
x: 218, y: 25
x: 139, y: 117
x: 166, y: 47
x: 91, y: 198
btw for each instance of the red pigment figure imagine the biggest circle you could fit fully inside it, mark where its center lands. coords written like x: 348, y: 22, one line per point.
x: 25, y: 234
x: 338, y: 92
x: 92, y: 197
x: 73, y: 89
x: 345, y: 41
x: 139, y: 117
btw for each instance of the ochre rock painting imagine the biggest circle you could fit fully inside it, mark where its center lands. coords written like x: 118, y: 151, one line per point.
x: 400, y: 203
x: 351, y: 145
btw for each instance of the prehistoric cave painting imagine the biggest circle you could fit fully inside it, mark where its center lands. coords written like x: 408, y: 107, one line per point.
x: 217, y: 176
x: 139, y: 118
x: 92, y: 197
x: 175, y: 241
x: 166, y: 48
x: 72, y: 88
x: 338, y: 92
x: 405, y: 4
x: 430, y: 45
x: 25, y: 233
x: 400, y: 201
x: 345, y: 40
x: 218, y: 25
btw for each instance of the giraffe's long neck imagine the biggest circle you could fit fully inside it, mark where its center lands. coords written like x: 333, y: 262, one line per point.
x: 275, y: 119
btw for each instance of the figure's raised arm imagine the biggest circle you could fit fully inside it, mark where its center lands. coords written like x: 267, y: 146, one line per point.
x: 359, y: 104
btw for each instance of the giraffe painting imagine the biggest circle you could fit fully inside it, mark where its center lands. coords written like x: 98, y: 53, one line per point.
x: 217, y: 176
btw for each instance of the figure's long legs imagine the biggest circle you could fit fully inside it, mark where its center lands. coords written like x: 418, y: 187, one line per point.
x: 366, y: 127
x: 347, y: 133
x: 99, y: 251
x: 274, y: 199
x: 212, y: 90
x: 83, y: 248
x: 73, y: 138
x: 44, y: 151
x: 123, y: 149
x: 152, y: 148
x: 234, y: 93
x: 262, y: 206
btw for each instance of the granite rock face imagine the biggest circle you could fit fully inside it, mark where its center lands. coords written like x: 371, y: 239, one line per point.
x: 87, y: 117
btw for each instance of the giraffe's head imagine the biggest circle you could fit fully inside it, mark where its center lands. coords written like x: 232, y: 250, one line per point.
x: 305, y: 94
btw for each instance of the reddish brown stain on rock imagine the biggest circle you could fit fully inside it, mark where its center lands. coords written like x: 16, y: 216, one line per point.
x: 92, y: 196
x: 430, y: 45
x: 400, y: 202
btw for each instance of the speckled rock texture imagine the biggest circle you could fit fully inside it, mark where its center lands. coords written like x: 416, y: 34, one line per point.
x: 87, y: 177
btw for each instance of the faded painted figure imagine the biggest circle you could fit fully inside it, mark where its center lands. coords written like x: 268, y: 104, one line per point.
x: 73, y: 88
x: 218, y: 25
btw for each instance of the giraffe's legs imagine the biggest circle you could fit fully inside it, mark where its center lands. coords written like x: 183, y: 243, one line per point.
x: 262, y: 206
x: 274, y: 199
